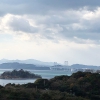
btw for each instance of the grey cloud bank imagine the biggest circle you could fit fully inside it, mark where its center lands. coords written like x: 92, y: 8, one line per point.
x: 20, y: 24
x: 60, y: 18
x: 43, y: 6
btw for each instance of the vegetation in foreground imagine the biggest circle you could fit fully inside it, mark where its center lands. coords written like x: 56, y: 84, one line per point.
x: 78, y: 86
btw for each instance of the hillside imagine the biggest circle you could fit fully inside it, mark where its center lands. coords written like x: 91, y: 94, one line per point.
x: 78, y: 86
x: 79, y: 66
x: 28, y: 61
x: 16, y: 65
x: 38, y: 65
x: 20, y: 74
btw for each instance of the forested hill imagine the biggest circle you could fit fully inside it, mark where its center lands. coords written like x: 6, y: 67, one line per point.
x: 78, y: 86
x: 16, y: 65
x: 19, y: 74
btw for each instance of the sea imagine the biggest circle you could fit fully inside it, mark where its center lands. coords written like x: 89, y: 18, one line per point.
x: 46, y: 74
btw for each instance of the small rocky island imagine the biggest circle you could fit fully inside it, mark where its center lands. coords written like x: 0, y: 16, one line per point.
x: 20, y: 74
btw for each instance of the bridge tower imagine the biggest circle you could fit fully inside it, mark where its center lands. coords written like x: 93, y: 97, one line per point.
x: 66, y: 63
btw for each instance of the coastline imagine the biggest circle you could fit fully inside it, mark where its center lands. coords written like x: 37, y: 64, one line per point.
x: 19, y: 78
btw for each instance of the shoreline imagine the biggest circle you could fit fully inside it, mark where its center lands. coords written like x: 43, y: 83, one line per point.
x: 19, y: 78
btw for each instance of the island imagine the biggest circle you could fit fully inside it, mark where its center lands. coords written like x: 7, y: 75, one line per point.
x: 19, y: 74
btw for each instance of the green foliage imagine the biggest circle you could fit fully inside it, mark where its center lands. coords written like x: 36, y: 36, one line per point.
x: 18, y: 74
x: 80, y: 74
x: 42, y: 83
x: 78, y: 86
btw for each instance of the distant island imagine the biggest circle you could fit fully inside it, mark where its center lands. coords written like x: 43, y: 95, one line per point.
x: 20, y: 74
x: 16, y: 65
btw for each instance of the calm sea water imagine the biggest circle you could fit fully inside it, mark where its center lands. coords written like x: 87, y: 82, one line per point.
x: 44, y: 73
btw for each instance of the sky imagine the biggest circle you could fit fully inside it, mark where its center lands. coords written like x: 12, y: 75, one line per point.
x: 51, y: 30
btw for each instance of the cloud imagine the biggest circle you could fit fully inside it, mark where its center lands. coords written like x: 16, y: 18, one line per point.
x: 43, y: 6
x: 56, y: 21
x: 20, y: 24
x: 82, y: 23
x: 16, y: 24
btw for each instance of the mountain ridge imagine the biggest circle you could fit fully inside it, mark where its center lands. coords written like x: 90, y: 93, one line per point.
x: 16, y: 65
x: 28, y: 61
x: 36, y: 64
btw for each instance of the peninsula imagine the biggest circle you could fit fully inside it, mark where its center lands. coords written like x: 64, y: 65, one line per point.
x: 20, y: 74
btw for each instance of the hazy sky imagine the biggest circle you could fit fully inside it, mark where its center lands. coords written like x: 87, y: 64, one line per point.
x: 51, y: 30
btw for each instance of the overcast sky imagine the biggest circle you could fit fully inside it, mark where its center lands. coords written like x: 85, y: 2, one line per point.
x: 51, y: 30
